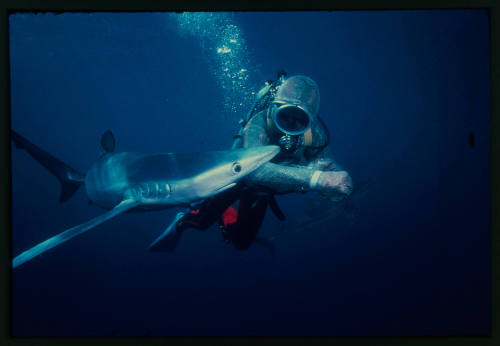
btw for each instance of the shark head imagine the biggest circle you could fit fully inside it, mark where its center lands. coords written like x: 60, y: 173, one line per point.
x: 232, y: 166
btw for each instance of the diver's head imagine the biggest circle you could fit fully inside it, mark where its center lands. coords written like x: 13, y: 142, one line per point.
x: 300, y: 90
x: 295, y: 105
x: 293, y: 108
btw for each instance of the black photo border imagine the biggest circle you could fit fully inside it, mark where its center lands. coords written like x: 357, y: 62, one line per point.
x: 8, y: 7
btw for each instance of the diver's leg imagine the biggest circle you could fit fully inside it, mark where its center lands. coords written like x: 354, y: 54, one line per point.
x: 250, y: 219
x: 209, y: 212
x: 201, y: 218
x: 168, y: 240
x: 258, y: 213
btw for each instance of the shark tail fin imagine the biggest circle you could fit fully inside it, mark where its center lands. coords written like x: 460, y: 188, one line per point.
x: 71, y: 233
x: 69, y: 178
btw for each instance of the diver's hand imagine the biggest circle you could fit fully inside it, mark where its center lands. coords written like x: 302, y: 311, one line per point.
x: 334, y: 184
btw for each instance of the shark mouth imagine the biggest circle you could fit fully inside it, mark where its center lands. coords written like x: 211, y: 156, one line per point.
x: 225, y: 187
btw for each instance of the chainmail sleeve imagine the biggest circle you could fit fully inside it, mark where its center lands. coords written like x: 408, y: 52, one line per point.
x: 271, y: 176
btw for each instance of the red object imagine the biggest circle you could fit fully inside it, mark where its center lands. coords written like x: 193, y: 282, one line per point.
x: 194, y: 211
x: 230, y: 216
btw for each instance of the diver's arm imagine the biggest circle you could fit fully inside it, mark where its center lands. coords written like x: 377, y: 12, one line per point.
x: 281, y: 179
x: 270, y: 176
x: 323, y: 161
x: 286, y: 179
x: 330, y: 180
x: 320, y: 159
x: 330, y: 177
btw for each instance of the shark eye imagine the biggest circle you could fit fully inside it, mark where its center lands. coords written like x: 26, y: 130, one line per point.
x: 236, y: 168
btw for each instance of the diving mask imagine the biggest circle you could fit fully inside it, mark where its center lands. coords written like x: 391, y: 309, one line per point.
x: 291, y: 119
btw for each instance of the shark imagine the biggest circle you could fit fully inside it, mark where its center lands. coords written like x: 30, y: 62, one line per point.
x: 133, y: 181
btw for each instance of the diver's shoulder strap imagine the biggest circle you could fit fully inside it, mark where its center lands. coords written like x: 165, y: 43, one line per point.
x: 308, y: 138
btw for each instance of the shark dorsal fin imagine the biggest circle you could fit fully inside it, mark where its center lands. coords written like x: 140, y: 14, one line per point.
x: 108, y: 142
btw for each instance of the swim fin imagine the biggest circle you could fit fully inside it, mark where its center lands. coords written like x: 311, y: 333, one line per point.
x: 71, y: 233
x: 169, y: 239
x: 275, y: 208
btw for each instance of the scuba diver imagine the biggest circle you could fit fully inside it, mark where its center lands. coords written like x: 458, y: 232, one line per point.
x: 285, y: 113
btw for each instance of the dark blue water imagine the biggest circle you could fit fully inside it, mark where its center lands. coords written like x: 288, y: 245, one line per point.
x: 400, y: 92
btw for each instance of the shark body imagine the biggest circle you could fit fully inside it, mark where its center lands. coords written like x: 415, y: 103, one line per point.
x: 131, y: 181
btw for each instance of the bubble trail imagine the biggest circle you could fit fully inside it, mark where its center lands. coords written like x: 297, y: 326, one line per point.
x: 224, y: 47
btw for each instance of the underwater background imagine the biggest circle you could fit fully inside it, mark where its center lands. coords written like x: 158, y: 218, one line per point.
x: 405, y: 95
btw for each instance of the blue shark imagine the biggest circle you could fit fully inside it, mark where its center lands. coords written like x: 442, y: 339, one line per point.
x: 132, y: 181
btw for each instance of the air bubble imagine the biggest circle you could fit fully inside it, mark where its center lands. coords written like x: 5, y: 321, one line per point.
x: 218, y: 32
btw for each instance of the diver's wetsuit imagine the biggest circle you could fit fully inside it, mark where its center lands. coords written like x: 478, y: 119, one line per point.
x: 239, y: 226
x: 283, y: 175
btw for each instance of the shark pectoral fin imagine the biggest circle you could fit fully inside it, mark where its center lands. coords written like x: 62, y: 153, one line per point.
x: 70, y: 233
x: 169, y: 239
